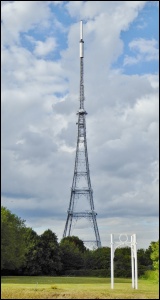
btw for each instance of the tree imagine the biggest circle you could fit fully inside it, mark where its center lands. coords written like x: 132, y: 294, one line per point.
x: 71, y: 256
x: 50, y: 255
x: 155, y: 254
x: 144, y: 260
x: 143, y: 257
x: 98, y: 259
x: 12, y: 240
x: 122, y: 262
x: 43, y: 256
x: 89, y: 259
x: 76, y: 241
x: 32, y: 265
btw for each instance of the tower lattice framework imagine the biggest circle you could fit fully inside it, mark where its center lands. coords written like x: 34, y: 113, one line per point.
x: 81, y: 191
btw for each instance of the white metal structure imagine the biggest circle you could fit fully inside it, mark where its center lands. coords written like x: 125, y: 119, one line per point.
x: 123, y: 241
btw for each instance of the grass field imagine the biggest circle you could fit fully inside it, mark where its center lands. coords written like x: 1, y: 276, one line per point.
x: 27, y: 287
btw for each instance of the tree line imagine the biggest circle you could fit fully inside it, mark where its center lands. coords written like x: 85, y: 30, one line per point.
x: 24, y: 252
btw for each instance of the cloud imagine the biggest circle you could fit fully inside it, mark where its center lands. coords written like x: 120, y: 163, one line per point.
x: 18, y: 17
x: 56, y: 2
x: 43, y: 48
x: 84, y: 10
x: 146, y: 51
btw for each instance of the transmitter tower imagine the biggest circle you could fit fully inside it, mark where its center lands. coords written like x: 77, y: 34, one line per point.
x: 81, y: 191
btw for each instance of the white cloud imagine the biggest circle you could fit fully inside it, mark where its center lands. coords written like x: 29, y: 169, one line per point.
x: 146, y: 51
x: 146, y: 47
x: 84, y: 9
x: 43, y: 48
x: 130, y: 60
x: 21, y: 16
x: 56, y: 2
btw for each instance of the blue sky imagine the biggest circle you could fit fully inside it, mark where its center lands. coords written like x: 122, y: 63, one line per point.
x: 40, y: 94
x: 145, y: 25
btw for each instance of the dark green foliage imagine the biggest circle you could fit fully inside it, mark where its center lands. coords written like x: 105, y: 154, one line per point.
x: 102, y: 258
x: 97, y: 259
x: 71, y: 256
x: 76, y: 241
x: 32, y: 265
x: 89, y: 260
x: 143, y: 257
x: 43, y: 257
x: 50, y: 253
x: 122, y: 262
x: 144, y: 260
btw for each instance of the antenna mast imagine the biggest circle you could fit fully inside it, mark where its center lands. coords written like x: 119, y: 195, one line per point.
x: 81, y: 191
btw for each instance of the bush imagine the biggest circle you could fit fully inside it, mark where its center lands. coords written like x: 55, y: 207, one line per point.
x: 151, y: 275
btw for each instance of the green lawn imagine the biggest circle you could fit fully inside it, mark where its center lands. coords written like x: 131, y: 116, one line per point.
x: 37, y: 287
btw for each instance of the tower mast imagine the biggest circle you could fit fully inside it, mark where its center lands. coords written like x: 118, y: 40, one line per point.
x: 81, y: 186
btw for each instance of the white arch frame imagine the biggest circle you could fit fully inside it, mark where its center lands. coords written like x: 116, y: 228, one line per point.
x: 133, y: 245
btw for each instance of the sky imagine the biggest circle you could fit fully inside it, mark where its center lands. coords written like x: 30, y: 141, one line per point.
x: 40, y: 98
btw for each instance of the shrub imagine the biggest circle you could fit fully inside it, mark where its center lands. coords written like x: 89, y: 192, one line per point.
x: 151, y: 275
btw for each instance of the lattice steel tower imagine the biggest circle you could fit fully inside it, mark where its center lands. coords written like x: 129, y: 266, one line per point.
x: 81, y: 191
